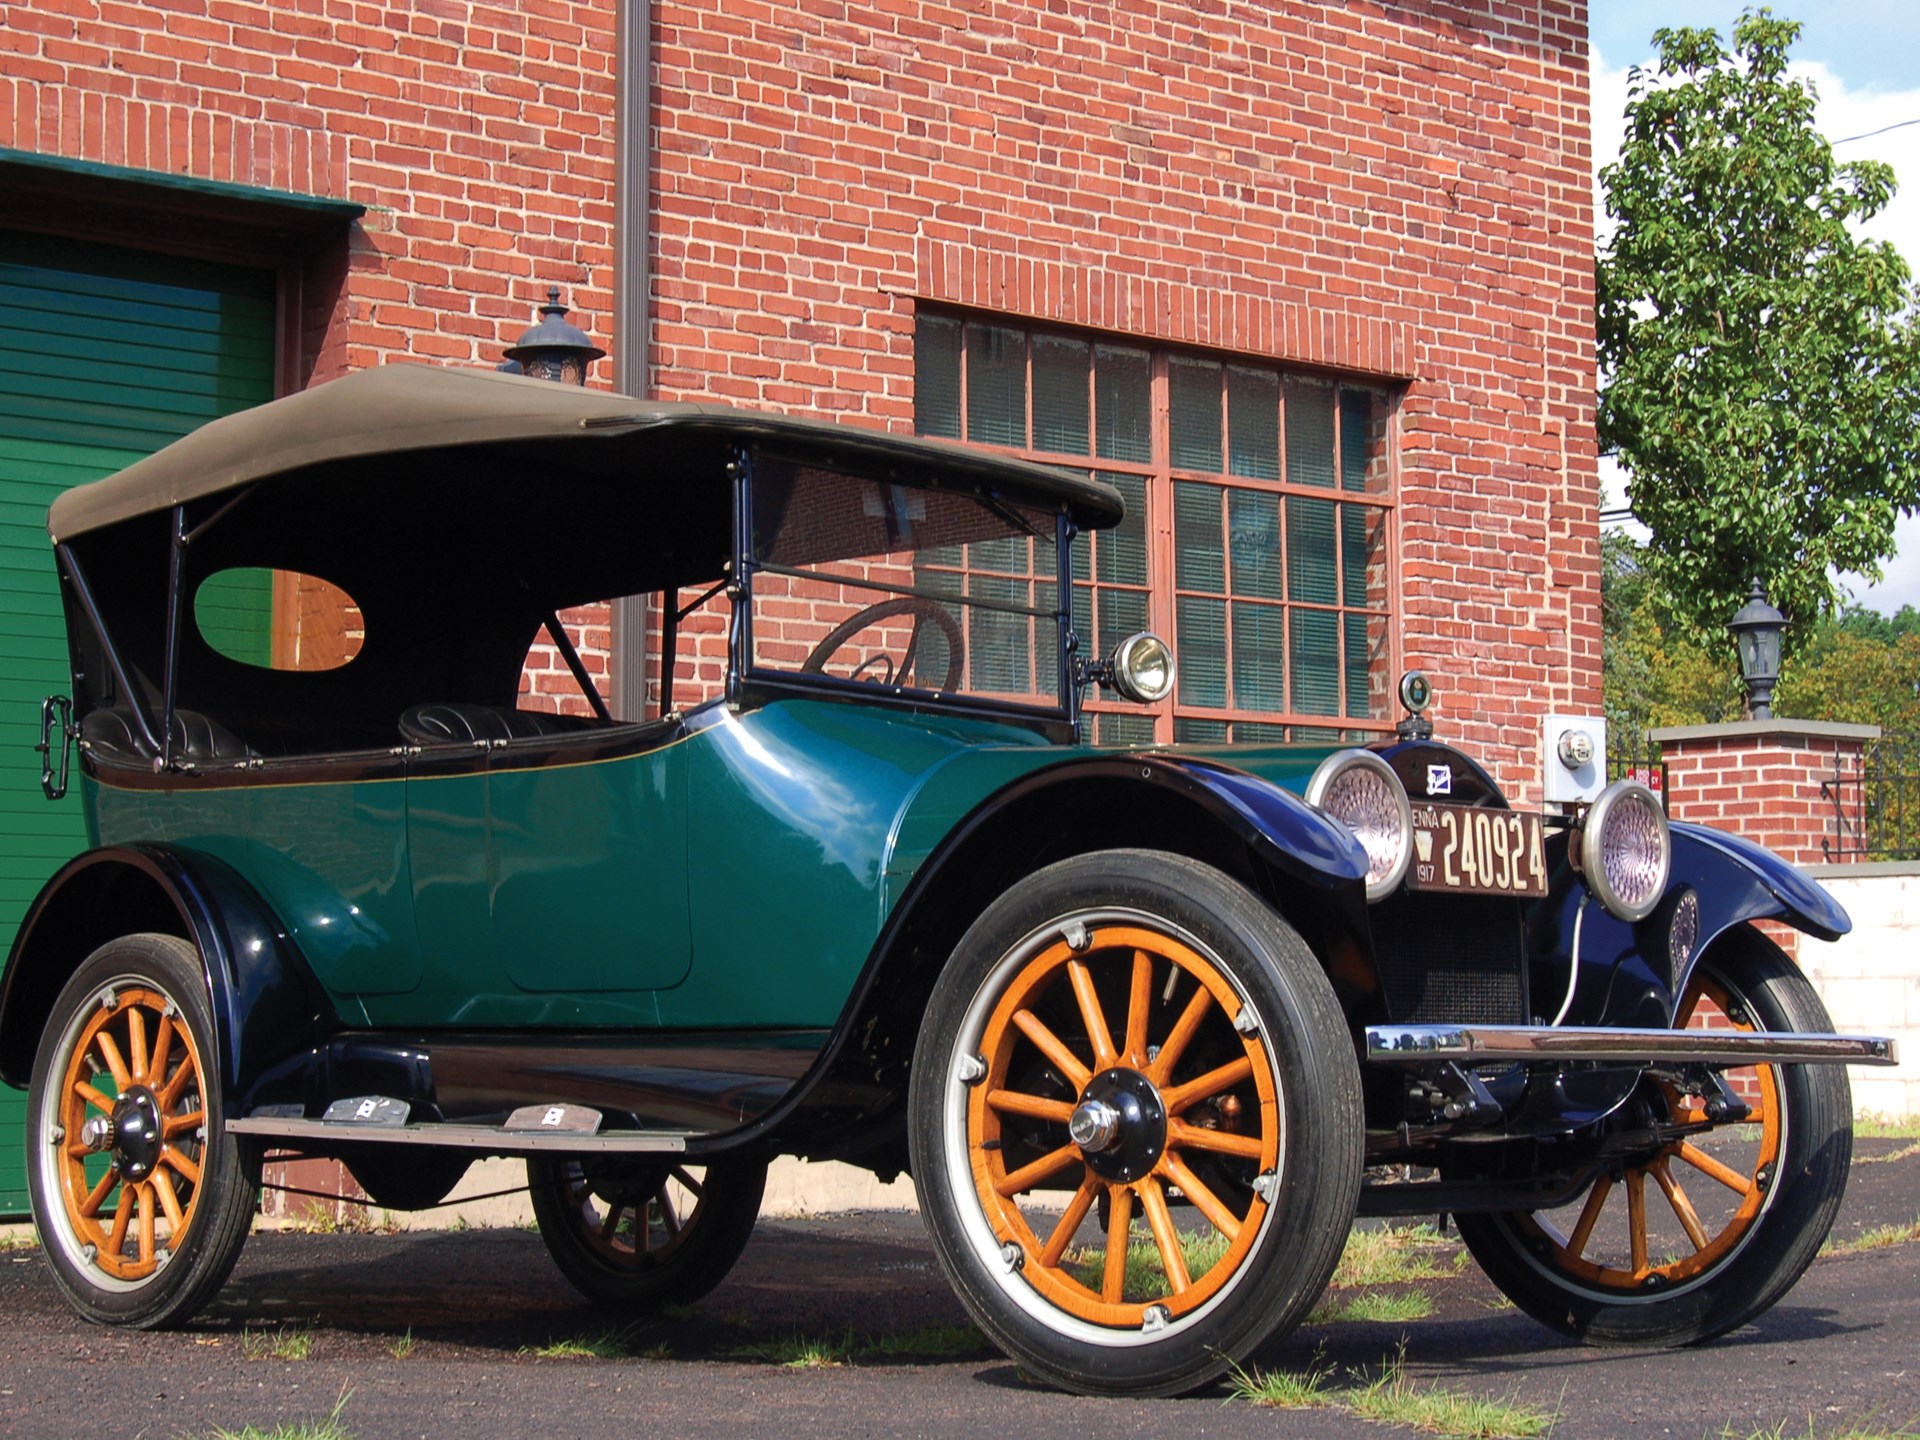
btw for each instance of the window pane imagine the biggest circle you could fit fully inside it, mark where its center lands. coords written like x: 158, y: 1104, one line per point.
x: 1316, y: 662
x: 1007, y: 557
x: 1362, y: 457
x: 1196, y: 538
x: 1125, y: 729
x: 1194, y: 413
x: 1253, y: 423
x: 1253, y: 531
x: 999, y: 646
x: 1366, y: 665
x: 1198, y: 732
x: 996, y: 385
x: 1123, y: 403
x: 1083, y: 620
x: 1122, y: 613
x: 1310, y: 568
x: 1309, y: 433
x: 1120, y: 554
x: 1200, y: 642
x: 1259, y: 657
x: 1060, y: 394
x: 1256, y: 732
x: 936, y: 377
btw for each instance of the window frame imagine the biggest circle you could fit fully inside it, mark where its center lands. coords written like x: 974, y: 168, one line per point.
x: 1161, y: 476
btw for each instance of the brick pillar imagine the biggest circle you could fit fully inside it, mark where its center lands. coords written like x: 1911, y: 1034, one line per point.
x: 1761, y: 779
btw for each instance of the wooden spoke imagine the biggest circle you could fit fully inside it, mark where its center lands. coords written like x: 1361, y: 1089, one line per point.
x: 1179, y: 1097
x: 1707, y: 1165
x: 182, y: 1124
x: 122, y: 1217
x: 1589, y: 1216
x: 691, y: 1185
x: 1027, y: 1176
x: 170, y: 1155
x: 137, y: 1044
x: 1225, y: 1142
x: 169, y: 1202
x: 610, y: 1226
x: 1113, y: 1282
x: 1077, y: 1209
x: 1051, y: 1046
x: 177, y: 1086
x: 162, y: 1051
x: 1095, y: 1019
x: 92, y: 1096
x: 1200, y: 1197
x: 97, y: 1196
x: 1677, y: 1198
x: 116, y: 1065
x: 143, y: 1201
x: 1184, y: 1029
x: 1139, y: 1008
x: 1154, y: 1202
x: 1016, y: 1102
x: 1637, y: 1218
x: 668, y: 1217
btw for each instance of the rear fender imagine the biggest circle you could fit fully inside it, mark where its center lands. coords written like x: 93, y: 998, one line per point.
x: 266, y: 1003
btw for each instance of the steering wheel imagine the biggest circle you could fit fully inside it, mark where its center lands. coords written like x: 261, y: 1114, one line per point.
x: 881, y: 668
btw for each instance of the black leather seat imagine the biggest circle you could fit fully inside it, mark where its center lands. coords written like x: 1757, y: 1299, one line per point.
x: 444, y: 724
x: 114, y: 736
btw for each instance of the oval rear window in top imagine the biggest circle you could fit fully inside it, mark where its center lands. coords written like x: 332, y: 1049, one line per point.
x: 278, y: 619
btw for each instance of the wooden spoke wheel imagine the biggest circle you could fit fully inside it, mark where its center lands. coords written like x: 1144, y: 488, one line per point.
x: 638, y: 1234
x: 142, y: 1199
x: 1700, y: 1233
x: 1136, y: 1123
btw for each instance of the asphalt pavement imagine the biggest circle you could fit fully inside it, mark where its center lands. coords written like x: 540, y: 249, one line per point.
x: 441, y: 1333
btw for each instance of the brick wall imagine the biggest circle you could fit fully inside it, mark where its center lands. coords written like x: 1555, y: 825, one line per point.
x: 1771, y: 795
x: 1396, y: 191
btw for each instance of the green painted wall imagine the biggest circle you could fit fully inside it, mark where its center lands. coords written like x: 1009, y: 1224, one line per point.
x: 105, y: 356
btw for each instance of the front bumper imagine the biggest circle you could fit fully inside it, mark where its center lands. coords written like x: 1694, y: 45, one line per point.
x: 1480, y: 1044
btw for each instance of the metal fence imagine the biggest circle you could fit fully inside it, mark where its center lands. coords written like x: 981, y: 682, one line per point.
x: 1635, y: 757
x: 1875, y: 802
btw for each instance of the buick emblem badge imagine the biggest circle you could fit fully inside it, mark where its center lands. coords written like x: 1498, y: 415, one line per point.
x: 1439, y: 779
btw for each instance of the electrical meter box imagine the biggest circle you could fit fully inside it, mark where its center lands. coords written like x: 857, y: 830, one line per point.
x: 1573, y: 757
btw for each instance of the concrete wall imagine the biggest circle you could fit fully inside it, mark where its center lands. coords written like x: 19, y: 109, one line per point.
x: 1870, y: 979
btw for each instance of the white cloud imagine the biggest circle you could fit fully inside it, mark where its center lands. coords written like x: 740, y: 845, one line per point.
x: 1842, y: 113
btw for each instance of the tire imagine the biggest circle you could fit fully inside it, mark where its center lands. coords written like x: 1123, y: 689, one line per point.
x: 144, y: 1231
x: 1733, y: 1217
x: 1257, y: 1128
x: 640, y: 1234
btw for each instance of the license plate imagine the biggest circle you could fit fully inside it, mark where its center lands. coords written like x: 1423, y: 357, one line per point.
x: 1473, y: 851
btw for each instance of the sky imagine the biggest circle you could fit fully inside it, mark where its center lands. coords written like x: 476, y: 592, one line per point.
x: 1863, y: 57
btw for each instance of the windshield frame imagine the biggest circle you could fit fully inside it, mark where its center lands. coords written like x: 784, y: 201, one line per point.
x: 748, y: 682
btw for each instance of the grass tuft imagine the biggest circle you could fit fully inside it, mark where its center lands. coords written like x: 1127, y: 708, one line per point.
x: 604, y: 1345
x: 1394, y: 1255
x: 1392, y: 1399
x: 1283, y: 1389
x: 329, y: 1427
x: 800, y: 1352
x: 289, y: 1342
x: 1864, y: 1430
x: 1880, y: 1237
x: 929, y: 1342
x: 25, y: 1240
x: 1887, y: 1127
x: 401, y: 1346
x: 1389, y: 1307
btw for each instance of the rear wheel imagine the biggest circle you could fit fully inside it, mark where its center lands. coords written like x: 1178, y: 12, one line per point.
x: 1691, y: 1238
x: 1136, y: 1123
x: 643, y: 1233
x: 141, y: 1198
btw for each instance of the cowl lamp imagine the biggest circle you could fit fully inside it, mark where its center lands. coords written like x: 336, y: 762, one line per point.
x: 1756, y: 628
x: 553, y: 349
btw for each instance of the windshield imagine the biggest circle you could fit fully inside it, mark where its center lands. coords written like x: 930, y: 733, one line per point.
x: 910, y: 589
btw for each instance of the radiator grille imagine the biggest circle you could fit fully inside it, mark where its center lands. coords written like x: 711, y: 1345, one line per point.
x: 1451, y: 958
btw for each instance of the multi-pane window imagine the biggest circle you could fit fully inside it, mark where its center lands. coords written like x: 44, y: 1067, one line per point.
x: 1257, y: 529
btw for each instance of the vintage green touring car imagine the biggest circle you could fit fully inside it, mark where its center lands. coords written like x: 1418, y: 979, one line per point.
x: 1147, y: 1027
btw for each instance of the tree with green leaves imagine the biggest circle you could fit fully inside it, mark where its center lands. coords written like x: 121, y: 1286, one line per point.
x: 1759, y: 361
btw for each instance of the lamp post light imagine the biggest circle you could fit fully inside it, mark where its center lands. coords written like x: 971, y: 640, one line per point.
x: 1756, y: 628
x: 553, y: 349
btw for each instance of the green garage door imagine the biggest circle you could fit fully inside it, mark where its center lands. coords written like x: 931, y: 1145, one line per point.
x: 105, y: 356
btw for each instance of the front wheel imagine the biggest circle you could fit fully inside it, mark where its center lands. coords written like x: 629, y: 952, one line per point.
x: 1689, y: 1238
x: 638, y: 1234
x: 141, y: 1198
x: 1136, y: 1123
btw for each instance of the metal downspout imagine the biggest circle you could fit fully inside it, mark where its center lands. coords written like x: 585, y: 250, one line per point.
x: 632, y: 294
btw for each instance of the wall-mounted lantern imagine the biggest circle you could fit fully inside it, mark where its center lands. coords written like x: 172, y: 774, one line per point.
x: 553, y: 349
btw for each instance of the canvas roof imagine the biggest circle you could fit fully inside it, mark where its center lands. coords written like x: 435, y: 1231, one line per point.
x: 404, y: 407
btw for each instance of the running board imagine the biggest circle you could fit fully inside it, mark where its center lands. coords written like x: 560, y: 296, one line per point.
x: 1474, y: 1044
x: 495, y: 1139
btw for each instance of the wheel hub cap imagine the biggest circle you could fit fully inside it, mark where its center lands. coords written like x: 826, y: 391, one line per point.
x: 1120, y: 1125
x: 136, y: 1133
